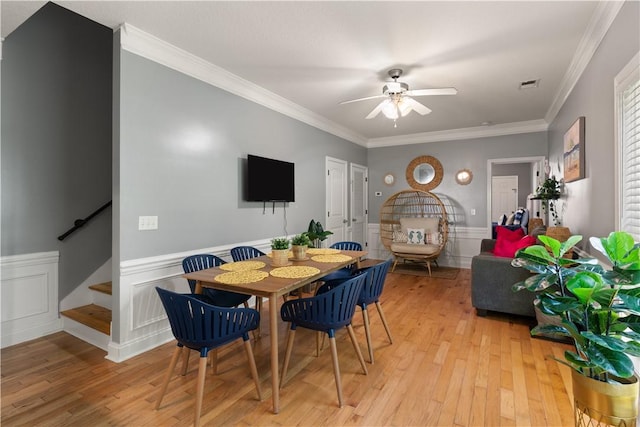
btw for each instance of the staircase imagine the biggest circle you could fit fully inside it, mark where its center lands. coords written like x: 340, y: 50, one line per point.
x: 92, y: 322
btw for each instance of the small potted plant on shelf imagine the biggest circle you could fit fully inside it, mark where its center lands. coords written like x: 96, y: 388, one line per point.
x: 317, y: 234
x: 549, y: 191
x: 279, y: 251
x: 599, y: 311
x: 299, y: 245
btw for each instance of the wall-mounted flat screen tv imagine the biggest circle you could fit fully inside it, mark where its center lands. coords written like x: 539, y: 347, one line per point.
x: 269, y: 180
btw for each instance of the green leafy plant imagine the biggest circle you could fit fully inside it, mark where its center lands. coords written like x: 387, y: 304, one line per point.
x: 301, y: 240
x: 599, y: 308
x: 549, y: 191
x: 316, y: 233
x: 280, y: 243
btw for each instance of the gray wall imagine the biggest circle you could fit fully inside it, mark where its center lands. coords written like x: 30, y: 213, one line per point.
x: 454, y: 155
x: 182, y: 151
x: 524, y: 173
x: 589, y: 203
x: 56, y: 140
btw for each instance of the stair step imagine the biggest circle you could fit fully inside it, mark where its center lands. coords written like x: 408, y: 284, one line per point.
x: 93, y: 316
x: 105, y: 288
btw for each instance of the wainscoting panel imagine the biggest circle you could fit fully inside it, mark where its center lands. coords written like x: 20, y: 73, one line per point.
x: 142, y: 321
x: 29, y: 297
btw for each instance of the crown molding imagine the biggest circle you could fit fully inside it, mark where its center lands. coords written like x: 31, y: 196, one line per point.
x: 602, y: 18
x: 150, y: 47
x: 465, y: 133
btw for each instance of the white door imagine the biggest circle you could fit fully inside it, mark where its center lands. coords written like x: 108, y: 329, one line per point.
x: 337, y: 218
x: 359, y: 191
x: 504, y: 195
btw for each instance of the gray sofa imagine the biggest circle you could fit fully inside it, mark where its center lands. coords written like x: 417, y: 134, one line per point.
x: 491, y: 280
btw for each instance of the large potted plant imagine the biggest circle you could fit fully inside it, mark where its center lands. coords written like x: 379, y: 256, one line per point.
x: 599, y: 310
x: 279, y: 251
x: 317, y: 234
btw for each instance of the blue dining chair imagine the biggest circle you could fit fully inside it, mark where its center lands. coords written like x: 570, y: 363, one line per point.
x: 371, y: 291
x: 348, y: 270
x: 370, y: 294
x: 216, y: 297
x: 325, y: 312
x: 212, y: 296
x: 347, y: 246
x: 243, y: 253
x: 203, y: 327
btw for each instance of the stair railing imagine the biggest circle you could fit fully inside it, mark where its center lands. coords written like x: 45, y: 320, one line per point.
x: 78, y: 223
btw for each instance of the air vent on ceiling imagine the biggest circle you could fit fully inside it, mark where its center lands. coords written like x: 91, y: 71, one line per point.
x: 529, y: 84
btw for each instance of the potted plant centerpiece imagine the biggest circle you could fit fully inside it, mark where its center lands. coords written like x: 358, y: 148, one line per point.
x: 599, y: 310
x: 299, y: 245
x: 317, y: 234
x: 279, y: 251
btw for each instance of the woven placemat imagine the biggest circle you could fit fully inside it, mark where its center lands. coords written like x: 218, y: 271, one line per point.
x: 294, y: 272
x: 331, y: 258
x: 242, y: 266
x: 239, y: 277
x: 322, y: 251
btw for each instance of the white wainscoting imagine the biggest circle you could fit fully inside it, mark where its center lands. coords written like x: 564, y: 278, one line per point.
x: 29, y: 297
x: 463, y: 243
x: 142, y: 320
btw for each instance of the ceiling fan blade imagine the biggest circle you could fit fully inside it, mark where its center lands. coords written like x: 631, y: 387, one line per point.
x: 427, y: 92
x: 363, y: 99
x: 415, y: 105
x: 378, y: 108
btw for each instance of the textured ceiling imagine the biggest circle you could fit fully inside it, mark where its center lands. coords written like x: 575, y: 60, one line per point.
x: 317, y: 54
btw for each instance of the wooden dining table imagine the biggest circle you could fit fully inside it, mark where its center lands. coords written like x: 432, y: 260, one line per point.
x: 273, y: 288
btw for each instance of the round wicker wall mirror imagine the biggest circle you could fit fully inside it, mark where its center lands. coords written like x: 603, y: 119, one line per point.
x: 424, y: 173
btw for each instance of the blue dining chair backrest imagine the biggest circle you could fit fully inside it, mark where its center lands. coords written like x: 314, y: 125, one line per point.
x: 242, y: 253
x: 327, y: 311
x: 200, y: 262
x: 347, y: 246
x: 201, y: 326
x: 374, y: 285
x: 212, y: 296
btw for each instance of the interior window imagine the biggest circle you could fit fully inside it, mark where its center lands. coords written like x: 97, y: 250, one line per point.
x: 627, y: 87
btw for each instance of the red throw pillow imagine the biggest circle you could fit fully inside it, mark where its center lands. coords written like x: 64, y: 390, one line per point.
x: 510, y: 235
x: 508, y: 248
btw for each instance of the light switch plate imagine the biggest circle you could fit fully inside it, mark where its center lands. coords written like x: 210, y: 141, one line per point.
x: 148, y: 222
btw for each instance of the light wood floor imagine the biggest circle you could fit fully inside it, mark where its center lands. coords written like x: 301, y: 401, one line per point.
x: 446, y: 367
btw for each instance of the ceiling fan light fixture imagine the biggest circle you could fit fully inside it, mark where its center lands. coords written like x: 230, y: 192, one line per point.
x: 390, y: 110
x: 404, y: 107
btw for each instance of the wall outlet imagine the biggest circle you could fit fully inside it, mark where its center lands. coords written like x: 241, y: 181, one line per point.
x: 148, y: 222
x: 378, y: 193
x: 473, y: 212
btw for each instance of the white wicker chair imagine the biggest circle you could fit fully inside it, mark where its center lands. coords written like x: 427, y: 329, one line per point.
x: 413, y: 209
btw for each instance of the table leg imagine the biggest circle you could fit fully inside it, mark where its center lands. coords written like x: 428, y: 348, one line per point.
x: 198, y: 289
x: 273, y: 332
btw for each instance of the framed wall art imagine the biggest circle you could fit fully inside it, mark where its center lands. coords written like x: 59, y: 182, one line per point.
x: 574, y: 151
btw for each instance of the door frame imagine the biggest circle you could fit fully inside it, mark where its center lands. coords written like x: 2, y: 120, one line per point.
x: 345, y: 198
x: 365, y: 201
x: 490, y: 162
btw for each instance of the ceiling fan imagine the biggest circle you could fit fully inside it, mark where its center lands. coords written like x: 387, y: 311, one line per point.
x: 399, y: 101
